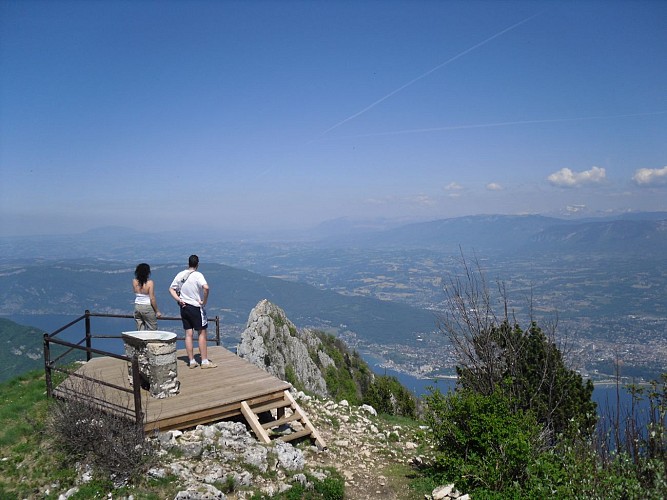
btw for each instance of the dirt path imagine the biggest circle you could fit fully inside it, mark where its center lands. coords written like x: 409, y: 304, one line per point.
x: 373, y: 456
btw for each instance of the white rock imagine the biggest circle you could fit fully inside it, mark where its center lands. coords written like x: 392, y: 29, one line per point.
x: 442, y: 492
x: 157, y: 473
x: 69, y: 493
x: 289, y: 457
x: 200, y: 492
x: 369, y: 409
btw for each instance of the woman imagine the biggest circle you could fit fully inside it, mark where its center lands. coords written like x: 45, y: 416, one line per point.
x: 146, y: 312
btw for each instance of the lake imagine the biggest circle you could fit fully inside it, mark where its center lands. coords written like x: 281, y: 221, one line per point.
x: 605, y: 395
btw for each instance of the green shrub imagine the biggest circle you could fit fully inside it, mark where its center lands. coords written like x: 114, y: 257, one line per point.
x: 577, y: 472
x: 529, y: 369
x: 387, y: 395
x: 290, y: 376
x: 331, y: 488
x: 340, y: 384
x: 350, y: 377
x: 480, y: 442
x: 490, y: 450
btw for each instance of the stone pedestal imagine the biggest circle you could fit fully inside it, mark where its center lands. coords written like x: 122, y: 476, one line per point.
x: 156, y: 352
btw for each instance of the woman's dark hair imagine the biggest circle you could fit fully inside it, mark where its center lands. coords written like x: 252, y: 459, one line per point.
x: 142, y: 272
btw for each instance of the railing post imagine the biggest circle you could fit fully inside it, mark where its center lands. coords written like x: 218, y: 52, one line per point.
x: 47, y: 366
x: 136, y: 386
x: 88, y: 339
x: 217, y: 330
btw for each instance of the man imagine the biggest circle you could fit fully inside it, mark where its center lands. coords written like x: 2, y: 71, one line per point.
x: 190, y: 290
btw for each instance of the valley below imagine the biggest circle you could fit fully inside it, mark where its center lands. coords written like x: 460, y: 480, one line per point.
x: 601, y: 285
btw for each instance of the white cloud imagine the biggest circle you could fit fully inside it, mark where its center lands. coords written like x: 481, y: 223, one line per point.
x: 494, y: 186
x: 453, y: 186
x: 567, y: 178
x: 418, y: 200
x: 651, y: 176
x: 424, y: 200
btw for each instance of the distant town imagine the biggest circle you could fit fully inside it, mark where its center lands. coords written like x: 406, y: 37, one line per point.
x: 611, y: 316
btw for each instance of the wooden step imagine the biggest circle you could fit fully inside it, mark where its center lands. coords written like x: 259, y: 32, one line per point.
x: 294, y: 435
x: 297, y: 415
x: 270, y: 406
x: 282, y: 421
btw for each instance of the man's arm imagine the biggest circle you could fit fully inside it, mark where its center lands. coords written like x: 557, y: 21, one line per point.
x: 205, y: 299
x: 173, y: 293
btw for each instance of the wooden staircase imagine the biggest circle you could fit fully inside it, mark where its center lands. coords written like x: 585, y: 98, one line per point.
x: 265, y: 431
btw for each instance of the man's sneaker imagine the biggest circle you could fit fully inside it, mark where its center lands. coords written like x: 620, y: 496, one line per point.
x: 193, y: 364
x: 210, y: 364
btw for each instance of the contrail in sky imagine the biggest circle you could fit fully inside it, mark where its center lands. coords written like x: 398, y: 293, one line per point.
x: 503, y: 124
x: 424, y: 75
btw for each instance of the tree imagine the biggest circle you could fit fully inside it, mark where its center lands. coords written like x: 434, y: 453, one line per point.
x: 481, y: 442
x: 495, y: 354
x: 387, y: 395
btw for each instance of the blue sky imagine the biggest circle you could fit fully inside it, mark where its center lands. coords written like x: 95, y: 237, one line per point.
x: 283, y: 114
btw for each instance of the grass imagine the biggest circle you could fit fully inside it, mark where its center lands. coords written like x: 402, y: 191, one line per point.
x: 407, y: 483
x: 26, y: 463
x: 29, y: 463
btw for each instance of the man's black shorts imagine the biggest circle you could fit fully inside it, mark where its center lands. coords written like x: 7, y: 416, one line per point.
x: 194, y: 318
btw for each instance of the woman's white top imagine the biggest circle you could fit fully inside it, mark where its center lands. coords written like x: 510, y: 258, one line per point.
x: 142, y: 298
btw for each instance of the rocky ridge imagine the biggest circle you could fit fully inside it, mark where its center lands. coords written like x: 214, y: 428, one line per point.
x: 273, y: 343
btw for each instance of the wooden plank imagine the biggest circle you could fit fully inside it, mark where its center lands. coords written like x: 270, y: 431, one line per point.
x: 235, y: 387
x: 295, y: 435
x: 271, y: 406
x: 254, y: 423
x: 306, y: 422
x: 281, y: 421
x: 205, y: 395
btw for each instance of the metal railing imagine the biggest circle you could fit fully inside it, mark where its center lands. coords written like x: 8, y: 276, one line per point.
x: 51, y: 364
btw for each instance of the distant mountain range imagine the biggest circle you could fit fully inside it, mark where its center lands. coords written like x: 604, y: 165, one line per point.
x: 638, y: 233
x: 629, y: 233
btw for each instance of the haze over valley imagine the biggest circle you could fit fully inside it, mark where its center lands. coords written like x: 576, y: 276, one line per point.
x: 603, y: 280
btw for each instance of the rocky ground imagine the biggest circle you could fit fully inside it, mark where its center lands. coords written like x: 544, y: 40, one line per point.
x: 374, y: 456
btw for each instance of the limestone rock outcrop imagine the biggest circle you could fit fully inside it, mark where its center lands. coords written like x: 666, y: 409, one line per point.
x: 272, y: 342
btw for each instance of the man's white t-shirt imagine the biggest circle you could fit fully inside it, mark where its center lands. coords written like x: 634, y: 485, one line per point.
x: 192, y: 287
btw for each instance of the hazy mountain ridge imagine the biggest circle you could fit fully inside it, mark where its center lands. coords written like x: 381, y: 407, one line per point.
x: 527, y: 234
x: 629, y: 236
x: 487, y: 233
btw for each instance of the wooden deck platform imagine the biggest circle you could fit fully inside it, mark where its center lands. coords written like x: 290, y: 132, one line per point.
x: 205, y: 395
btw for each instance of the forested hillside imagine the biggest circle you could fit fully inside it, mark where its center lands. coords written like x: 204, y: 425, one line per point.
x: 71, y: 287
x: 21, y: 349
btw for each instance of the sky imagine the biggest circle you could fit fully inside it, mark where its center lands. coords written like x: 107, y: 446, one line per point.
x: 270, y: 115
